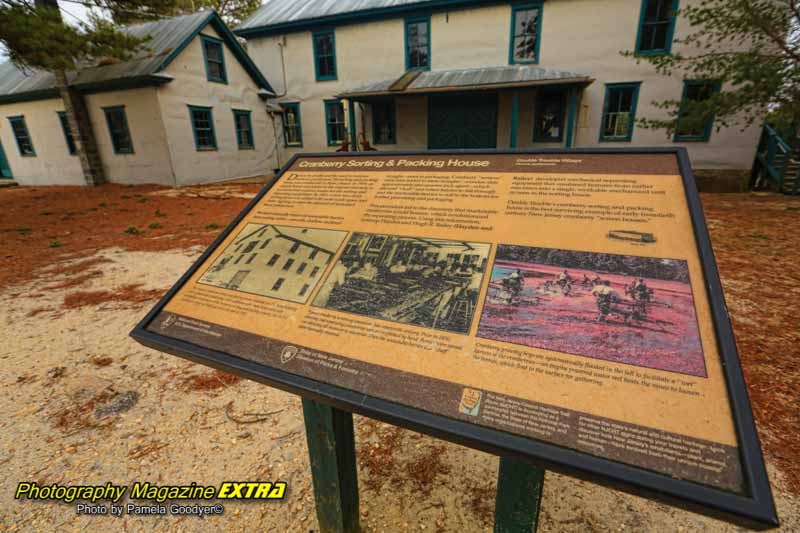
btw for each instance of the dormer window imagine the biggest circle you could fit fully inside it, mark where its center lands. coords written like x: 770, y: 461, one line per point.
x: 215, y: 59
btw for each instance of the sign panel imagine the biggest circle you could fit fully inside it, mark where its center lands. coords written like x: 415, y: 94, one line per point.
x: 561, y: 306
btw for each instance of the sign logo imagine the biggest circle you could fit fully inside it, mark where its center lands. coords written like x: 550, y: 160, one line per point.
x: 168, y: 322
x: 288, y: 353
x: 470, y: 402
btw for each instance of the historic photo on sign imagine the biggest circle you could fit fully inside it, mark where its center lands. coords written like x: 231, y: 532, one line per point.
x: 282, y: 262
x: 627, y: 309
x: 427, y: 282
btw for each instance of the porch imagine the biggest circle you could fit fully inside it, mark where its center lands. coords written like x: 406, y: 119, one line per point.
x: 494, y: 107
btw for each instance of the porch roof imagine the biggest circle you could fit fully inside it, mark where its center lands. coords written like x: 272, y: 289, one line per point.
x: 512, y: 76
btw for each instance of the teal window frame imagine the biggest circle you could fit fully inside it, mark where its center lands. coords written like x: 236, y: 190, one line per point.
x: 68, y: 138
x: 550, y: 139
x: 409, y: 21
x: 317, y: 53
x: 119, y: 134
x: 243, y: 144
x: 391, y: 118
x: 329, y: 125
x: 206, y: 40
x: 634, y: 85
x: 709, y: 125
x: 295, y: 106
x: 670, y: 31
x: 516, y: 8
x: 212, y: 133
x: 25, y: 146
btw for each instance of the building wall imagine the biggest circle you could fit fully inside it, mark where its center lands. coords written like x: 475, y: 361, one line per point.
x: 52, y: 164
x: 570, y: 41
x: 191, y: 87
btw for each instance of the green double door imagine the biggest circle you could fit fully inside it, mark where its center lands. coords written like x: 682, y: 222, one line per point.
x: 5, y: 170
x: 459, y: 121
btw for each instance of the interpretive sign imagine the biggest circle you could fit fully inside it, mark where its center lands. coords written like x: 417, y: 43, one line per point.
x: 560, y: 306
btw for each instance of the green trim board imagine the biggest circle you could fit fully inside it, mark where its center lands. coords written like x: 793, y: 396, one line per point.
x: 23, y: 137
x: 215, y: 66
x: 118, y: 130
x: 5, y: 168
x: 202, y: 121
x: 294, y: 108
x: 68, y: 138
x: 651, y: 22
x: 617, y: 95
x: 421, y: 21
x: 688, y: 85
x: 243, y: 126
x: 572, y: 115
x: 335, y: 130
x: 384, y: 121
x: 515, y: 11
x: 323, y: 43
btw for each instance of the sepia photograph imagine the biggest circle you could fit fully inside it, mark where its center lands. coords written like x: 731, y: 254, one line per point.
x: 281, y: 262
x: 422, y: 281
x: 627, y: 309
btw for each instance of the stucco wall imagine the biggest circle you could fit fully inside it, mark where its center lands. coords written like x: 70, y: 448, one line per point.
x: 52, y: 164
x: 190, y: 87
x: 585, y: 36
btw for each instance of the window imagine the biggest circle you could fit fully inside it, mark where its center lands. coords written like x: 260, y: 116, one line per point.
x: 273, y: 260
x: 302, y: 268
x: 313, y: 253
x: 292, y: 130
x: 62, y: 117
x: 418, y: 43
x: 695, y: 124
x: 303, y: 290
x: 619, y: 111
x: 278, y: 284
x: 203, y: 128
x: 526, y: 24
x: 24, y: 142
x: 656, y: 24
x: 314, y: 271
x: 250, y: 247
x: 288, y: 264
x: 250, y: 260
x: 244, y: 129
x: 294, y: 248
x: 215, y: 59
x: 118, y: 129
x: 334, y: 122
x: 383, y: 128
x: 265, y: 244
x: 324, y: 55
x: 548, y: 122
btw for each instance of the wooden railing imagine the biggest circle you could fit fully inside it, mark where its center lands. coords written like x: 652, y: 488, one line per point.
x: 776, y: 163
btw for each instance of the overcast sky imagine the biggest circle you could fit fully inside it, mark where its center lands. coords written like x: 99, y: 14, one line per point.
x: 71, y: 12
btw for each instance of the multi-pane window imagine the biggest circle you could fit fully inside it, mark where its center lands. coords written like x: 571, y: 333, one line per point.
x: 292, y: 130
x: 313, y: 253
x: 213, y: 51
x: 526, y: 20
x: 62, y: 118
x: 314, y: 271
x: 324, y: 55
x: 288, y: 264
x: 304, y: 290
x: 548, y: 120
x: 418, y: 43
x: 273, y: 260
x: 334, y: 122
x: 203, y: 128
x: 244, y: 129
x: 302, y: 268
x: 250, y: 247
x: 20, y: 130
x: 278, y: 284
x: 694, y: 120
x: 294, y: 248
x: 656, y: 24
x: 383, y: 126
x: 619, y: 111
x: 118, y: 129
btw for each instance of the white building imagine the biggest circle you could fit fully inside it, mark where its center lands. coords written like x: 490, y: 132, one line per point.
x: 190, y: 108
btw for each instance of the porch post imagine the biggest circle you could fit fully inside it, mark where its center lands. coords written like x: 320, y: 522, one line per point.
x: 573, y: 111
x: 514, y: 119
x: 351, y: 110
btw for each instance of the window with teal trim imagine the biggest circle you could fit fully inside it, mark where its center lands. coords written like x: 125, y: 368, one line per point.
x: 548, y: 116
x: 619, y: 111
x: 203, y: 128
x: 656, y: 26
x: 20, y: 130
x: 244, y: 129
x: 383, y: 123
x: 694, y: 121
x: 118, y: 129
x: 334, y: 122
x: 292, y: 128
x: 418, y: 43
x: 62, y: 117
x: 526, y: 24
x: 214, y: 54
x: 324, y: 55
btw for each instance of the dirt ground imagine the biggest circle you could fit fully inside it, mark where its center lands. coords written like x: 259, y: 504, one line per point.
x: 84, y: 404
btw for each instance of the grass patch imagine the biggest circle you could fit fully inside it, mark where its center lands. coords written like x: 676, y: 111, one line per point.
x: 213, y: 225
x: 133, y: 230
x: 46, y: 213
x: 160, y: 213
x: 154, y: 225
x: 56, y: 244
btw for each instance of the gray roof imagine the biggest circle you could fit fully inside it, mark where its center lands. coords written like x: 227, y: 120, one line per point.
x: 441, y: 80
x: 283, y: 11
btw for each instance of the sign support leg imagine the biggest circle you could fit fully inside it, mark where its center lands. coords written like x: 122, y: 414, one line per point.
x: 332, y: 452
x: 519, y: 495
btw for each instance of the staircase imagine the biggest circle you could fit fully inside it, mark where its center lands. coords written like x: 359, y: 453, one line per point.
x: 776, y: 166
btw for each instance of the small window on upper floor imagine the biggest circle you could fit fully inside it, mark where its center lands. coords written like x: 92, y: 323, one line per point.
x: 656, y: 26
x: 695, y: 123
x: 213, y: 51
x: 118, y: 129
x: 324, y: 55
x: 70, y: 140
x: 20, y: 130
x: 292, y: 129
x: 418, y: 43
x: 526, y: 24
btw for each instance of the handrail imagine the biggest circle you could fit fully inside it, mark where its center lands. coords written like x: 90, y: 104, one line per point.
x: 772, y: 133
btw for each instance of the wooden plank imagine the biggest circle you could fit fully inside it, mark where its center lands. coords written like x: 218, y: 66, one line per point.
x: 519, y: 495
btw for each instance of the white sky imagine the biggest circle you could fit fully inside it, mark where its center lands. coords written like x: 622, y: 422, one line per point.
x: 71, y: 12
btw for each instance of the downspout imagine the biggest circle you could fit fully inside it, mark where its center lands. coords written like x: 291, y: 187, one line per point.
x: 281, y: 44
